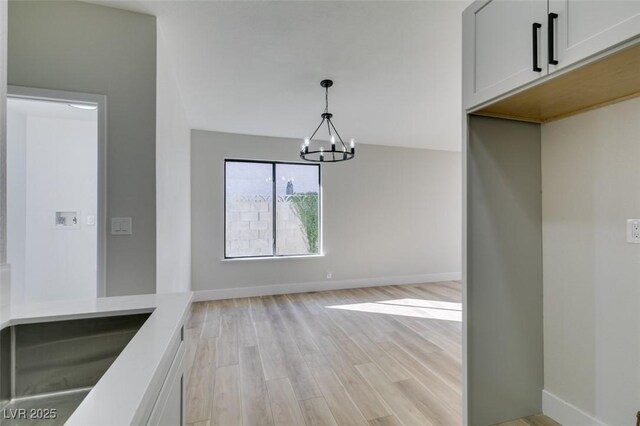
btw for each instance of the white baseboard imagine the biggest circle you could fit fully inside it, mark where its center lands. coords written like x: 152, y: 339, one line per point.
x: 268, y: 290
x: 565, y: 413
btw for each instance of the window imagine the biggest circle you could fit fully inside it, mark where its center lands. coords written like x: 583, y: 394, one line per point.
x: 271, y: 209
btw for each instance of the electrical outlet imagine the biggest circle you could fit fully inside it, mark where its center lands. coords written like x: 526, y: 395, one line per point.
x: 329, y: 275
x: 633, y: 231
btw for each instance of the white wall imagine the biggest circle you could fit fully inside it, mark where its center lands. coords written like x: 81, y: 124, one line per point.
x: 5, y: 276
x: 173, y: 180
x: 503, y: 297
x: 389, y: 215
x: 16, y: 201
x: 590, y: 178
x: 51, y: 167
x: 80, y: 47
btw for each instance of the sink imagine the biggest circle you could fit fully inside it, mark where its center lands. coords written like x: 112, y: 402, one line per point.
x: 46, y: 369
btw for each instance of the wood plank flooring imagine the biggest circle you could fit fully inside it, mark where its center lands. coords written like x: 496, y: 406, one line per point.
x: 539, y: 420
x: 372, y: 356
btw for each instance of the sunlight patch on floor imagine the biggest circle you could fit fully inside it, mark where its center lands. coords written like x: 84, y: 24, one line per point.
x: 422, y: 303
x: 417, y: 308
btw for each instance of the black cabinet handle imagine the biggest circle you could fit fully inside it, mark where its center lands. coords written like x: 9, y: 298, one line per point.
x: 551, y: 39
x: 535, y: 27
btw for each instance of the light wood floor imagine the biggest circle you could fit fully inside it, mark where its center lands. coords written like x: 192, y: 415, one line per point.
x: 539, y: 420
x: 374, y: 356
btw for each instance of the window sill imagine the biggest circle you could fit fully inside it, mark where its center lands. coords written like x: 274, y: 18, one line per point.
x: 267, y: 258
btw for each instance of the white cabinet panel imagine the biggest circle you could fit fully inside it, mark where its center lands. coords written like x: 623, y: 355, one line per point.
x: 172, y: 412
x: 587, y: 27
x: 169, y: 407
x: 499, y: 51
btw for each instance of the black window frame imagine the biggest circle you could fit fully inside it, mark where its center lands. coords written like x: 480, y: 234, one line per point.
x: 273, y: 207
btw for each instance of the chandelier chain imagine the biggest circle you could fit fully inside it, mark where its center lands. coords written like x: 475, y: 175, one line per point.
x: 326, y: 99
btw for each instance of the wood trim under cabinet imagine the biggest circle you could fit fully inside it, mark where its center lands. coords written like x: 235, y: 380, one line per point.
x: 612, y: 79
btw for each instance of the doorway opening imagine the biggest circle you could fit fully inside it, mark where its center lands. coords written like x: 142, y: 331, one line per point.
x: 55, y: 195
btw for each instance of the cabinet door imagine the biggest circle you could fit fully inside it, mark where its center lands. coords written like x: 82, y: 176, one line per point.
x: 584, y: 28
x: 171, y: 413
x: 499, y: 53
x: 169, y: 407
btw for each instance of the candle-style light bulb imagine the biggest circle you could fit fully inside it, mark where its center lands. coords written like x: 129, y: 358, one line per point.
x: 333, y: 143
x: 321, y: 153
x: 306, y: 141
x: 353, y: 143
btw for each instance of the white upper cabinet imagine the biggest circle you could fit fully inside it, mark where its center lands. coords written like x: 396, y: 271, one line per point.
x: 509, y: 43
x: 504, y: 47
x: 585, y: 27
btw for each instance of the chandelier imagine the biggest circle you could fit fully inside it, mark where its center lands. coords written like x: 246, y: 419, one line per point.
x: 321, y: 152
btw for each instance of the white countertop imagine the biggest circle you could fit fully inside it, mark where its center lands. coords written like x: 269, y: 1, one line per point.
x: 126, y: 392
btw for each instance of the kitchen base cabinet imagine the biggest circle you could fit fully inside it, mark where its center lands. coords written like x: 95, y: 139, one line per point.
x: 169, y: 407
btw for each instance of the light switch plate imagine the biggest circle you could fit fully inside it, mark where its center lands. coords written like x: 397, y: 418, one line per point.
x: 67, y: 219
x: 633, y: 231
x: 121, y: 226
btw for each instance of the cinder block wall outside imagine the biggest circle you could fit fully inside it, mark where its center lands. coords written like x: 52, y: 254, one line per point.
x: 249, y: 227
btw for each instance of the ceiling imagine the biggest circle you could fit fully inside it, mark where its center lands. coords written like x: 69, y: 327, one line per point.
x: 255, y: 67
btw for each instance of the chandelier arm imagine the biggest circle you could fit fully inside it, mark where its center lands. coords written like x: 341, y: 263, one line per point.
x: 317, y: 128
x: 338, y: 134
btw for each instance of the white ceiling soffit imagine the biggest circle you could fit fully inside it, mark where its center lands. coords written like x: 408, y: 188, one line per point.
x: 255, y: 67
